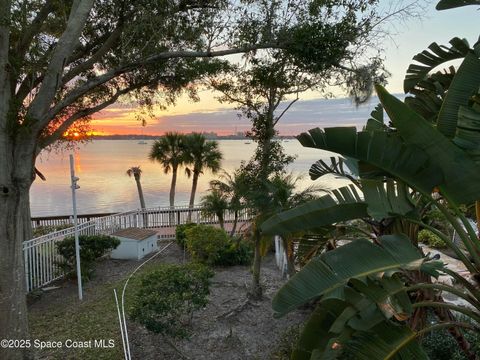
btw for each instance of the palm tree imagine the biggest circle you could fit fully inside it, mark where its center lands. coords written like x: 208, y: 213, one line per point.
x: 233, y: 189
x: 168, y: 151
x: 136, y: 172
x: 215, y: 203
x: 200, y: 155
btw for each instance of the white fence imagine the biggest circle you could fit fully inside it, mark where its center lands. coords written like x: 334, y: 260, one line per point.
x: 41, y: 255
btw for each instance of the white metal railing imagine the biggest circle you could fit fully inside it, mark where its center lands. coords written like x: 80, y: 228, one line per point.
x: 41, y: 255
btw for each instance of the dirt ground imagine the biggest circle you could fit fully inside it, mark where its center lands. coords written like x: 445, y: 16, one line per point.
x: 229, y: 327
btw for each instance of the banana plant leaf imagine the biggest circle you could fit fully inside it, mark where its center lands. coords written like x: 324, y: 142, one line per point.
x: 460, y: 174
x: 376, y: 120
x: 337, y: 321
x: 450, y: 4
x: 344, y: 204
x: 338, y: 166
x: 433, y: 57
x: 383, y: 150
x: 334, y: 269
x: 386, y: 341
x: 428, y: 95
x: 468, y: 132
x: 465, y: 84
x: 385, y: 199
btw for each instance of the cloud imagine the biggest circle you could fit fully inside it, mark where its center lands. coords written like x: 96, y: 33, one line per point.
x: 302, y: 116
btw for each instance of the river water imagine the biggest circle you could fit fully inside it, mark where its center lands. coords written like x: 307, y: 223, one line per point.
x: 104, y: 186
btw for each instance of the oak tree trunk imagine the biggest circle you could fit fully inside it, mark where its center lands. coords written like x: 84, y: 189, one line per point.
x: 15, y: 228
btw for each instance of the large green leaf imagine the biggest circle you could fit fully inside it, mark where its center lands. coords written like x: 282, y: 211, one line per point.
x: 431, y: 58
x: 383, y: 150
x: 386, y: 341
x: 336, y: 320
x: 465, y: 84
x: 338, y: 166
x: 385, y: 199
x: 334, y: 269
x: 427, y: 96
x: 468, y: 132
x: 460, y: 175
x: 344, y: 204
x: 450, y: 4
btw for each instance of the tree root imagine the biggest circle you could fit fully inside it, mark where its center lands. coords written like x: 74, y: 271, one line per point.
x: 237, y: 310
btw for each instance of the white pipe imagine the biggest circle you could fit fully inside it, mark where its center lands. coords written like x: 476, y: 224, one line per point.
x: 121, y: 324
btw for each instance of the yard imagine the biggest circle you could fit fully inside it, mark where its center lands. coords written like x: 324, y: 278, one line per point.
x: 229, y: 327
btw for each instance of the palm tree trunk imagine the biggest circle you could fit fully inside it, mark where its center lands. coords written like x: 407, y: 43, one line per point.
x: 192, y: 194
x: 142, y: 200
x: 235, y: 221
x: 221, y: 220
x: 173, y: 186
x: 140, y: 193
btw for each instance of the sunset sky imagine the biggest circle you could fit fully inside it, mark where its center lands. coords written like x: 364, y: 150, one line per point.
x: 209, y: 115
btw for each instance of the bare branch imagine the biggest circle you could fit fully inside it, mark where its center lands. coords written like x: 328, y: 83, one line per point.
x: 285, y: 110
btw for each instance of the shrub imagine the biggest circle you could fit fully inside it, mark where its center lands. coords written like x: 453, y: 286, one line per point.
x: 180, y: 236
x: 440, y: 345
x: 429, y: 238
x: 91, y: 248
x: 240, y: 253
x: 206, y: 243
x: 167, y: 297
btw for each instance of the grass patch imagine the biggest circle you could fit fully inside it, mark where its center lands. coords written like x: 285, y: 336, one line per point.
x: 94, y: 318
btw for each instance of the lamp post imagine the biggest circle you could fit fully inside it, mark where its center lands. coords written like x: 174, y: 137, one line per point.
x: 74, y: 187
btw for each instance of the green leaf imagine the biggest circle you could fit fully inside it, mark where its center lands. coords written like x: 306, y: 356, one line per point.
x: 333, y: 270
x: 431, y: 58
x: 450, y: 4
x: 383, y: 150
x: 461, y: 175
x: 387, y: 198
x: 465, y: 84
x: 386, y: 341
x: 336, y: 167
x: 325, y: 210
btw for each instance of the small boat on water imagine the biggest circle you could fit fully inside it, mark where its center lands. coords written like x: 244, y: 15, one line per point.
x: 142, y: 142
x: 247, y: 142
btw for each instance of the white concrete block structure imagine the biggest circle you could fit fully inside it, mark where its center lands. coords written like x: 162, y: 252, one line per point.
x: 135, y: 243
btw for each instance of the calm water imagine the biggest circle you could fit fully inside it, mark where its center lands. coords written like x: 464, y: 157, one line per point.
x: 105, y: 187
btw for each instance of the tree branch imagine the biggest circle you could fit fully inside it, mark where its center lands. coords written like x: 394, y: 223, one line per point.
x: 285, y: 110
x: 30, y: 32
x: 64, y: 48
x: 57, y: 134
x: 88, y: 64
x: 76, y: 93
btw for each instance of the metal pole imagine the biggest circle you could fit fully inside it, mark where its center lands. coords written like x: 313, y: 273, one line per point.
x: 75, y: 224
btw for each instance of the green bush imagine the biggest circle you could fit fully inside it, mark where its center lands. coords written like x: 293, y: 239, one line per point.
x: 206, y: 243
x: 429, y: 238
x: 91, y: 248
x: 440, y: 345
x: 180, y: 236
x: 167, y: 297
x: 240, y: 253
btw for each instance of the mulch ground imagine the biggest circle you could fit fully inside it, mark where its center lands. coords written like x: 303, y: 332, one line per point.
x: 229, y: 327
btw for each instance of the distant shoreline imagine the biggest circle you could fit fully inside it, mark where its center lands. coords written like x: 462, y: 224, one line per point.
x: 155, y: 137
